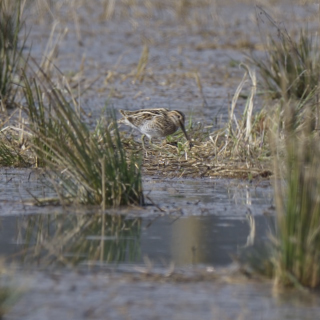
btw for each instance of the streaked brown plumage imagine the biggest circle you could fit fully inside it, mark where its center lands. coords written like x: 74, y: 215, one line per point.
x: 155, y: 123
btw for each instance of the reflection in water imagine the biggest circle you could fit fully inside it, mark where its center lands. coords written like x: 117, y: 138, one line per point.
x: 72, y: 239
x: 197, y: 241
x: 68, y: 240
x: 210, y: 240
x: 187, y: 241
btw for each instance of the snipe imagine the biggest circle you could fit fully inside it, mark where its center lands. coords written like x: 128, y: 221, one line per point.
x: 154, y: 123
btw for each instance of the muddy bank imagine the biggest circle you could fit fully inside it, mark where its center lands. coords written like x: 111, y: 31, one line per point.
x: 192, y: 57
x: 103, y: 296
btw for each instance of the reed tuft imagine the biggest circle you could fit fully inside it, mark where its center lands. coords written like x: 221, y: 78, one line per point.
x: 297, y: 188
x: 76, y: 158
x: 11, y: 49
x: 291, y: 67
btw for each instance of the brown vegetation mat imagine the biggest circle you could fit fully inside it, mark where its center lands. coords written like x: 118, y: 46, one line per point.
x: 202, y: 160
x: 211, y: 155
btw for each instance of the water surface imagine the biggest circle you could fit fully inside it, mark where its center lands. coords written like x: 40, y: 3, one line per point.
x: 189, y: 222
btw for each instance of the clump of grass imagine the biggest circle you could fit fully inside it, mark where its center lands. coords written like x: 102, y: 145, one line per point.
x: 87, y: 167
x: 292, y: 257
x: 10, y: 50
x: 297, y: 236
x: 290, y: 63
x: 244, y: 138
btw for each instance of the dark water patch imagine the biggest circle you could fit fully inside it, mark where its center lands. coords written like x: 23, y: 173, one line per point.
x: 70, y: 240
x: 208, y: 240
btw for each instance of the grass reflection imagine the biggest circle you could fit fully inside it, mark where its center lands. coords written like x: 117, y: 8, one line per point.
x: 69, y: 240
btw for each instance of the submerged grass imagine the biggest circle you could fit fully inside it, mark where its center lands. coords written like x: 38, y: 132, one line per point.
x: 75, y: 157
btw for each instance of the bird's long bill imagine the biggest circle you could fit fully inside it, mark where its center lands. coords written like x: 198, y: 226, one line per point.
x: 184, y: 130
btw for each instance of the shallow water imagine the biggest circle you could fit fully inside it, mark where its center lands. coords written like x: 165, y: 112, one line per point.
x: 199, y: 222
x: 183, y: 241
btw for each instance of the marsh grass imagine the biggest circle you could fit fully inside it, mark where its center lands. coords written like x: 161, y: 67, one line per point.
x: 291, y: 62
x: 291, y: 71
x: 74, y: 156
x: 292, y: 256
x: 297, y: 235
x: 11, y: 50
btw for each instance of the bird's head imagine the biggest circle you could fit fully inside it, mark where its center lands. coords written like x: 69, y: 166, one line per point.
x: 179, y: 118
